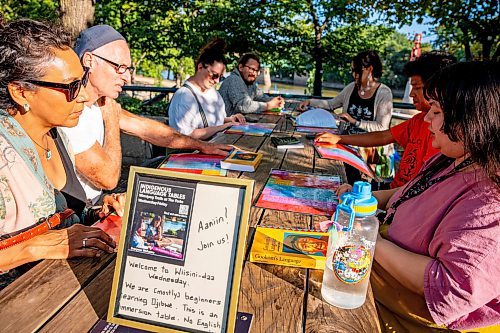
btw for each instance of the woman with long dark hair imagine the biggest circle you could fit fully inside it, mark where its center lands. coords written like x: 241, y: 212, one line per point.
x: 437, y: 265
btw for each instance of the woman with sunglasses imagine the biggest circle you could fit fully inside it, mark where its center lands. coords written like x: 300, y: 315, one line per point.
x: 41, y: 83
x: 197, y: 109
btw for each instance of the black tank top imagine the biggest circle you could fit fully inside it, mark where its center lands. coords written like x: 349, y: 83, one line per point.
x: 360, y: 109
x: 72, y: 190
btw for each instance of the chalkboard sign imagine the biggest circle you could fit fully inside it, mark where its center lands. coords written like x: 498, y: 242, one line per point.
x: 181, y: 252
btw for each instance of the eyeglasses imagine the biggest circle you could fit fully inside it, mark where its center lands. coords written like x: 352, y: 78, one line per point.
x: 213, y: 76
x: 120, y: 69
x: 71, y: 90
x: 257, y: 71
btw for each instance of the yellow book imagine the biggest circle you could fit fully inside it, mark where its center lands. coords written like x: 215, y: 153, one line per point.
x: 240, y: 160
x: 289, y: 247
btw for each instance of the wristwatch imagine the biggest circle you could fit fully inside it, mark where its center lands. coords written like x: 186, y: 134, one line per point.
x: 357, y: 123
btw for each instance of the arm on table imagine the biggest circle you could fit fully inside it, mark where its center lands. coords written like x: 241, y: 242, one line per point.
x: 207, y: 132
x: 164, y: 136
x: 372, y: 139
x: 58, y: 244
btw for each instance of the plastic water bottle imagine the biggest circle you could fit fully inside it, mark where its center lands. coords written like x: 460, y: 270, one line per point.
x: 351, y: 248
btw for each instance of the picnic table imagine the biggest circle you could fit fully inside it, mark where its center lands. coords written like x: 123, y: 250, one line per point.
x: 72, y: 295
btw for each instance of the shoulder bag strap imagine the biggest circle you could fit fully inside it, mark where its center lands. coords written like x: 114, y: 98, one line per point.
x: 200, y: 108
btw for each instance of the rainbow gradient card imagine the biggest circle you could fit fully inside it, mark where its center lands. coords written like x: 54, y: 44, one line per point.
x: 195, y: 163
x: 255, y: 129
x: 300, y: 192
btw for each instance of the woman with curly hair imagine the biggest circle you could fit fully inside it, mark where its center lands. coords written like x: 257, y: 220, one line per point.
x: 41, y: 88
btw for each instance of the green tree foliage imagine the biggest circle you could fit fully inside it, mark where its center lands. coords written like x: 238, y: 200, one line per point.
x: 46, y: 10
x: 463, y: 20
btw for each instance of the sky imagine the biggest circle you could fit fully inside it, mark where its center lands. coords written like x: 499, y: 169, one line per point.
x: 423, y: 28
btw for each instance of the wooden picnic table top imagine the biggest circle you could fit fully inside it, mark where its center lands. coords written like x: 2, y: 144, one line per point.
x: 72, y: 295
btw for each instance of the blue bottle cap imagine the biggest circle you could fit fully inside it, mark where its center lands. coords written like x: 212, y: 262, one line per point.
x: 364, y: 204
x: 358, y: 203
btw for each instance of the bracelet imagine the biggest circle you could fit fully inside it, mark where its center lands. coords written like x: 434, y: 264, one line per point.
x: 357, y: 123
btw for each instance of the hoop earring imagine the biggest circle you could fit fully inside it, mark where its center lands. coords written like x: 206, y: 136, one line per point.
x: 26, y: 107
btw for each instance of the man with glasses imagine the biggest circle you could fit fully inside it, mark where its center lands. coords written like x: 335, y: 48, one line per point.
x: 239, y: 90
x: 96, y: 138
x: 197, y: 109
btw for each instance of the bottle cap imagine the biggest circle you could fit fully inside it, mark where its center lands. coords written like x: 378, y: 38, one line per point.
x: 358, y: 203
x: 364, y: 204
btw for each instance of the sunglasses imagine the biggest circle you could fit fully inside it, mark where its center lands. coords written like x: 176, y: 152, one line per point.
x: 71, y: 90
x: 120, y: 69
x: 213, y: 76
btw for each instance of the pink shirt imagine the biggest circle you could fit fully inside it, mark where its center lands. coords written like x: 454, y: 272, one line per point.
x: 457, y: 223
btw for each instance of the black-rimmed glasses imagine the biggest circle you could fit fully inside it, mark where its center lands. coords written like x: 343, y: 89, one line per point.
x: 71, y: 90
x: 120, y: 69
x: 251, y: 69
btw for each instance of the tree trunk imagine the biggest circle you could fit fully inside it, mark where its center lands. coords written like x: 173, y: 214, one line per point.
x: 318, y: 66
x: 487, y: 45
x: 76, y: 15
x: 466, y: 42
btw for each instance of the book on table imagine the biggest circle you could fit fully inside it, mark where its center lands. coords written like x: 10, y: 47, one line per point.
x: 194, y: 163
x: 240, y: 160
x: 316, y: 118
x: 315, y: 130
x: 255, y: 129
x: 289, y: 247
x: 300, y: 192
x: 344, y: 153
x: 287, y: 142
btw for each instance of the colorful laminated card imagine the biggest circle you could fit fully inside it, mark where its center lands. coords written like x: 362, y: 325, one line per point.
x: 289, y: 247
x: 195, y: 163
x: 308, y: 129
x: 255, y: 129
x: 300, y: 192
x: 345, y: 154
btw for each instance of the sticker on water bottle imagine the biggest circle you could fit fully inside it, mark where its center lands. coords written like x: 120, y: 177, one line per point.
x: 351, y: 263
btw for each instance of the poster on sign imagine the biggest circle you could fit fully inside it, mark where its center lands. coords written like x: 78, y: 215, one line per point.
x: 179, y: 265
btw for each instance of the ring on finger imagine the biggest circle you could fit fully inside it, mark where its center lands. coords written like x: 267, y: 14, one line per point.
x: 85, y: 242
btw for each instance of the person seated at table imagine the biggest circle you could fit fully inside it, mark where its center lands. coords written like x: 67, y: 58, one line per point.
x: 239, y: 89
x: 366, y: 106
x: 96, y: 138
x: 197, y: 109
x: 437, y: 264
x: 154, y: 230
x: 413, y: 135
x: 41, y: 83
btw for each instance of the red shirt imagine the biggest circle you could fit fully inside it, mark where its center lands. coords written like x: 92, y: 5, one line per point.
x: 414, y: 136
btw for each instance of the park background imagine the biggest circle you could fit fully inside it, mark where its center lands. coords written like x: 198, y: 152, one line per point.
x: 304, y: 38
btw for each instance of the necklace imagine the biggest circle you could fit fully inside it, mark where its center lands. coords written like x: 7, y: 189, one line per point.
x: 48, y: 152
x: 362, y: 90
